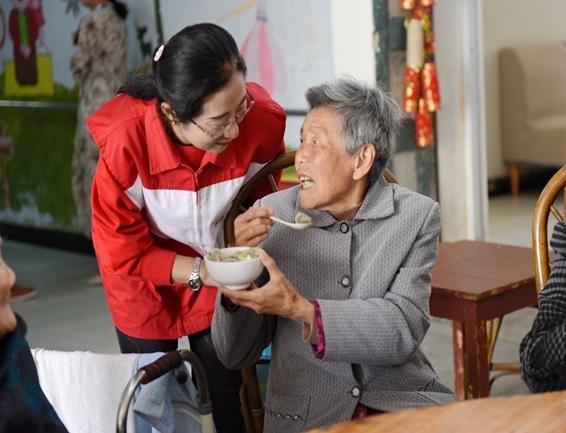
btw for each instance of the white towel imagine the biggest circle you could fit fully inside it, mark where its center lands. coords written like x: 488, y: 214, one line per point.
x: 85, y: 387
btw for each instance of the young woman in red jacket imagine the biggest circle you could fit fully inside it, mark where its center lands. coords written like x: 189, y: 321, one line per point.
x: 175, y: 148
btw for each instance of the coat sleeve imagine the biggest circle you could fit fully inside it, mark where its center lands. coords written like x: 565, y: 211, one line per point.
x: 239, y: 337
x: 121, y: 237
x: 386, y: 330
x: 543, y: 349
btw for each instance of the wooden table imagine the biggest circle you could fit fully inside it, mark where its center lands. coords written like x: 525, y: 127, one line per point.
x: 541, y: 413
x: 473, y: 282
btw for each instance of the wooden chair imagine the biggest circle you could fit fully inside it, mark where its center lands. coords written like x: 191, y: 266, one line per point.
x: 543, y: 208
x: 250, y: 395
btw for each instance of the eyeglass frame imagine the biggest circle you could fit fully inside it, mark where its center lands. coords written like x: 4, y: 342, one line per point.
x: 221, y: 130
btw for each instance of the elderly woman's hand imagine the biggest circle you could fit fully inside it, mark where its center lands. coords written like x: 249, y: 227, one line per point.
x: 278, y: 297
x: 252, y: 227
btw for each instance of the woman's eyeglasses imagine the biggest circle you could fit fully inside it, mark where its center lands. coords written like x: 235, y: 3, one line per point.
x: 220, y: 130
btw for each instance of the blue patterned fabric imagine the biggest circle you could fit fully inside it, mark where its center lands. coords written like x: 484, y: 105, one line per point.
x: 23, y: 406
x: 543, y: 350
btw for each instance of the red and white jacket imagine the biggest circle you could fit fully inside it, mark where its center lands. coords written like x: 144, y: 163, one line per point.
x: 148, y: 205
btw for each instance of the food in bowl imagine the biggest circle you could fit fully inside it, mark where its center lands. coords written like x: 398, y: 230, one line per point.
x: 222, y: 255
x: 234, y: 267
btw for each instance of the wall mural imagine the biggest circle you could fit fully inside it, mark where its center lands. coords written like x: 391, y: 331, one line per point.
x: 29, y: 72
x: 260, y: 51
x: 38, y: 105
x: 38, y: 96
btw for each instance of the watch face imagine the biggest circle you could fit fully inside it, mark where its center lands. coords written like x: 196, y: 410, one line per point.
x: 194, y: 282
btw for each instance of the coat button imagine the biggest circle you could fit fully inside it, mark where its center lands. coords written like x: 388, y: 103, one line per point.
x: 344, y: 227
x: 356, y: 391
x: 345, y: 281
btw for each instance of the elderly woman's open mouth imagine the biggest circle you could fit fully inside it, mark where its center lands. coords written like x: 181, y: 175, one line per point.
x: 306, y: 182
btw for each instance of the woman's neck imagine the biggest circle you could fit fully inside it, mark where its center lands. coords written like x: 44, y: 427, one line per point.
x: 350, y: 210
x: 347, y: 214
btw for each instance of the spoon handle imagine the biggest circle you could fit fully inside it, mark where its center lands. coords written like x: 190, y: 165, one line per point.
x: 296, y: 226
x: 285, y: 223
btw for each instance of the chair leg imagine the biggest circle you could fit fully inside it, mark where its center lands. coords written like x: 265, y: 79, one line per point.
x: 246, y: 411
x: 493, y: 327
x: 492, y: 333
x: 253, y: 402
x: 515, y: 179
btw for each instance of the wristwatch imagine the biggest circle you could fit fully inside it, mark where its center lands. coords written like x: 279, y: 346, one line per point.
x: 194, y: 282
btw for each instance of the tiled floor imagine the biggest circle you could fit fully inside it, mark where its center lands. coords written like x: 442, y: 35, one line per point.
x: 70, y: 314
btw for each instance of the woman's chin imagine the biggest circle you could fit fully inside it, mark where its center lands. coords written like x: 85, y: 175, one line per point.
x: 305, y: 201
x: 219, y: 147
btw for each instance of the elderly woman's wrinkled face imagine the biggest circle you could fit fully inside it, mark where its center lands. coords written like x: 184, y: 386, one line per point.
x: 324, y: 168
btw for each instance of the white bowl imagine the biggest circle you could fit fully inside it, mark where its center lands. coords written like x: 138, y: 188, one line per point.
x: 234, y: 275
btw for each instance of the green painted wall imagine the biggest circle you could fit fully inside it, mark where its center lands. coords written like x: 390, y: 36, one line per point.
x: 39, y: 169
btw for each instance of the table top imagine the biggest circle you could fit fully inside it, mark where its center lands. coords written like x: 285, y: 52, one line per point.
x: 476, y: 269
x: 541, y: 413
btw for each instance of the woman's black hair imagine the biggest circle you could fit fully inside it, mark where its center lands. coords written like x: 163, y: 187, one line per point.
x: 197, y: 61
x: 120, y: 8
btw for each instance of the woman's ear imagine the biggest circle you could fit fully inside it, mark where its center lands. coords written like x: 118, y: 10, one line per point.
x: 168, y: 111
x: 363, y: 161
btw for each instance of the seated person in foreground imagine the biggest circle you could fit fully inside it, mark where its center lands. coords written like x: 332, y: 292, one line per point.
x: 23, y: 406
x: 346, y: 301
x: 543, y: 350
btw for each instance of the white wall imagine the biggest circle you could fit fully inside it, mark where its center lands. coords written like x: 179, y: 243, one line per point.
x: 513, y: 22
x: 352, y: 33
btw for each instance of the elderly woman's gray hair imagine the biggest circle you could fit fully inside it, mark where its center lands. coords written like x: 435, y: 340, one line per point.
x: 369, y: 115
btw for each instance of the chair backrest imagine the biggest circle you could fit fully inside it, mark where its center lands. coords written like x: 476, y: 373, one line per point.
x: 543, y: 208
x: 266, y: 173
x: 250, y: 395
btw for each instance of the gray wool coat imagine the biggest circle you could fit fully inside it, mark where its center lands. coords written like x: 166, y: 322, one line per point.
x: 371, y: 278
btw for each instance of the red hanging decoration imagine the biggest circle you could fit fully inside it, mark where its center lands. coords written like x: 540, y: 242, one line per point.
x: 430, y: 91
x: 415, y: 59
x: 421, y: 94
x: 408, y: 4
x: 423, y: 125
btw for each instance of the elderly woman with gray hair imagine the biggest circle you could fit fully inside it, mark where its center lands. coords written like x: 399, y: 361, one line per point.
x: 344, y: 302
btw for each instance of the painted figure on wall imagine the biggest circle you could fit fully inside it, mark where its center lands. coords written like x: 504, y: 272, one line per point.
x: 3, y: 27
x: 37, y: 12
x: 99, y: 67
x: 24, y: 24
x: 265, y: 62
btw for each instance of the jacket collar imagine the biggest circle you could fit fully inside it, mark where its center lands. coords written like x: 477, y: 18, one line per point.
x: 160, y: 148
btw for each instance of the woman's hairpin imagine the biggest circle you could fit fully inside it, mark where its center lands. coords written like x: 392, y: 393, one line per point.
x: 158, y: 53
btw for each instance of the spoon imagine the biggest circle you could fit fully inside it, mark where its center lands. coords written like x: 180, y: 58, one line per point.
x: 296, y: 226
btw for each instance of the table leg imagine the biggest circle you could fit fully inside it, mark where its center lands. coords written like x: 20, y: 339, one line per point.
x: 471, y: 366
x: 459, y: 361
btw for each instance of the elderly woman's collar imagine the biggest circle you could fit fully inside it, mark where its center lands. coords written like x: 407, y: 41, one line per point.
x: 378, y: 202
